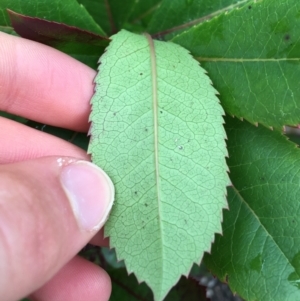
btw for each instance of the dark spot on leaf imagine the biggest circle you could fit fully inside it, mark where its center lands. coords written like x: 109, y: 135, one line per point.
x: 146, y: 205
x: 293, y: 221
x: 249, y: 6
x: 115, y: 113
x: 141, y: 73
x: 185, y: 221
x: 161, y: 112
x: 287, y: 37
x: 146, y: 130
x: 135, y: 192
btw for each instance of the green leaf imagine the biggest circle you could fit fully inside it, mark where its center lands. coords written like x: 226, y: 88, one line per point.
x: 143, y: 11
x: 253, y: 57
x: 157, y: 131
x: 67, y: 11
x: 79, y: 139
x: 99, y: 10
x: 8, y: 29
x: 260, y: 246
x: 126, y: 287
x: 174, y: 16
x: 112, y: 15
x: 13, y: 117
x: 120, y: 12
x: 78, y: 43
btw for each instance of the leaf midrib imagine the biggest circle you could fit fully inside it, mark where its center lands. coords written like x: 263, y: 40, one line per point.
x: 148, y: 12
x: 110, y: 17
x: 199, y: 20
x: 155, y: 127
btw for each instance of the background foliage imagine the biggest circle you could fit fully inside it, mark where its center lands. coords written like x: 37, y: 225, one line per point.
x: 251, y: 50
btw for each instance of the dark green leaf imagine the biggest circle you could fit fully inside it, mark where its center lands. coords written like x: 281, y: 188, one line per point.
x: 111, y: 14
x: 252, y: 55
x: 79, y: 139
x: 81, y: 44
x: 126, y: 288
x: 99, y: 10
x: 174, y: 16
x: 260, y: 246
x: 120, y: 12
x: 66, y: 11
x: 143, y: 11
x: 13, y: 117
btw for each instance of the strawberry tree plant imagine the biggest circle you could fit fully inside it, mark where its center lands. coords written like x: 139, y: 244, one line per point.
x: 177, y: 77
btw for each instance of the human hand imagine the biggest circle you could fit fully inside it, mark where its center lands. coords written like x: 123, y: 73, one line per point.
x: 41, y: 231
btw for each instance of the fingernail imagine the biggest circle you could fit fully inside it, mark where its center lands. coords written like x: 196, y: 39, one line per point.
x: 90, y: 192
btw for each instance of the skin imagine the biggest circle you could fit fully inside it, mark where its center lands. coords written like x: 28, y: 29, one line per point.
x: 39, y: 243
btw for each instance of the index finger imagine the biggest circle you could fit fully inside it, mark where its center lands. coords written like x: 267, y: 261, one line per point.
x: 43, y: 84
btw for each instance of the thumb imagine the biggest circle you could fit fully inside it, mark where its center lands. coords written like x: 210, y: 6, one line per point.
x: 49, y: 209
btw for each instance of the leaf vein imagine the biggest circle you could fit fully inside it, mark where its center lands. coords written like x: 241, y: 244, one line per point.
x: 263, y: 227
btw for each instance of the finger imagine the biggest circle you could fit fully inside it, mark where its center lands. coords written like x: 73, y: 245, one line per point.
x: 19, y: 143
x: 49, y: 209
x: 43, y: 84
x: 78, y: 280
x: 30, y: 144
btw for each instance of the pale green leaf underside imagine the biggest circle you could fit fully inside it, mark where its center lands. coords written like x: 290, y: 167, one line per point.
x: 252, y: 54
x: 161, y: 140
